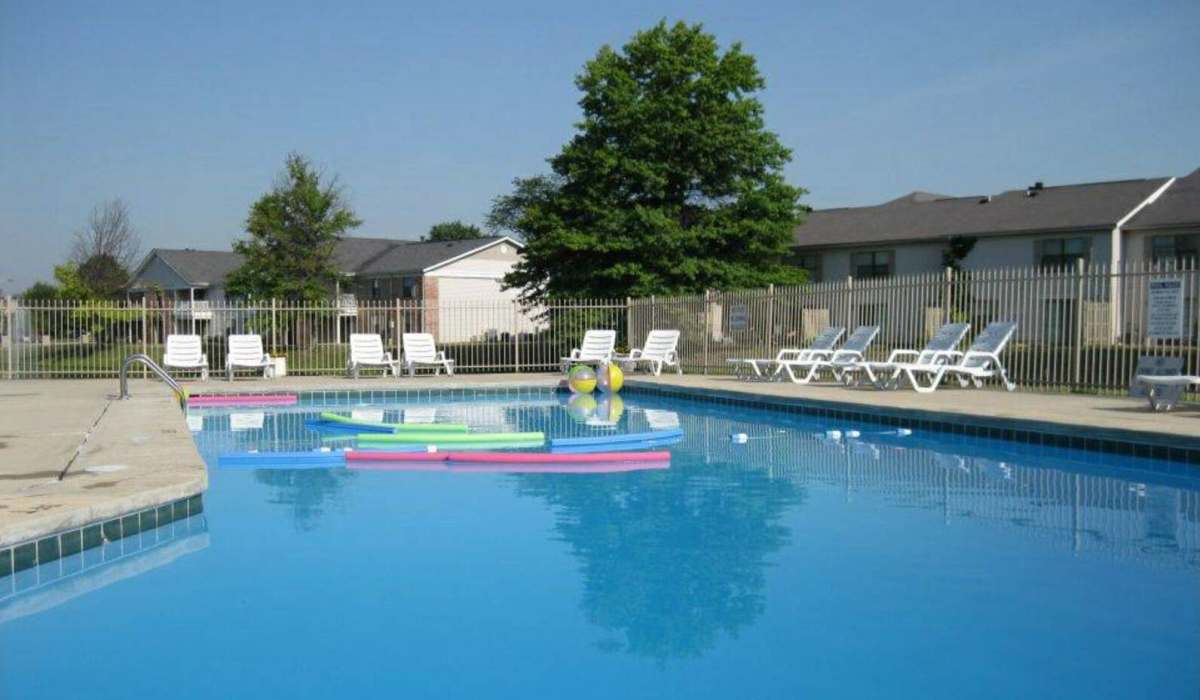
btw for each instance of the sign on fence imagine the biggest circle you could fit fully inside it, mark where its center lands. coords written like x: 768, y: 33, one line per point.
x: 739, y: 317
x: 1164, y: 312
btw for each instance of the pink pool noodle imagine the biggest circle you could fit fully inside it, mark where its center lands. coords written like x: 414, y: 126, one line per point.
x: 243, y: 400
x: 509, y: 457
x: 551, y: 458
x: 480, y: 467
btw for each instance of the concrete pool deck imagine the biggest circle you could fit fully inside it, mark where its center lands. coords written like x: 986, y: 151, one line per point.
x: 127, y: 455
x: 139, y: 453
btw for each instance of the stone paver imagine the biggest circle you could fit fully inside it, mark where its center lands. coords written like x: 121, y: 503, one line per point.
x: 137, y: 454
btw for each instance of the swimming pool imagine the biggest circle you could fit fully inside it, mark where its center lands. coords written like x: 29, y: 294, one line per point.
x: 819, y: 558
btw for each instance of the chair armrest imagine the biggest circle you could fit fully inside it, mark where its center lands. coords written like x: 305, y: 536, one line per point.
x: 440, y: 356
x: 204, y: 358
x: 387, y: 357
x: 971, y: 354
x: 635, y: 353
x: 266, y: 358
x: 897, y: 354
x: 846, y: 356
x: 574, y: 354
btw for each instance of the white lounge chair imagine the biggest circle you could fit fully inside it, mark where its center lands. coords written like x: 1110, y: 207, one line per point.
x: 1161, y: 381
x: 821, y: 347
x: 596, y: 349
x: 940, y: 350
x: 850, y: 354
x: 420, y: 350
x: 659, y: 351
x: 186, y: 352
x: 981, y: 361
x: 246, y: 352
x: 366, y: 350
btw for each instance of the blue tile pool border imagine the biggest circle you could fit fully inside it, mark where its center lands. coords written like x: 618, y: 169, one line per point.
x: 49, y: 548
x: 1132, y: 443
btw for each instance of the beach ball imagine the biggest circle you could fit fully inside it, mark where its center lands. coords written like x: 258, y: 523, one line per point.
x: 581, y: 407
x: 608, y: 410
x: 582, y: 379
x: 610, y: 378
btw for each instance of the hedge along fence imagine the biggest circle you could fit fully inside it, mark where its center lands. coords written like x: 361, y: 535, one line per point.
x: 1079, y: 328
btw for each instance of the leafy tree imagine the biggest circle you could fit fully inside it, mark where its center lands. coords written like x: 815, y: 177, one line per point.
x: 71, y: 286
x: 40, y: 291
x: 671, y: 184
x: 293, y: 232
x: 104, y: 276
x: 452, y: 231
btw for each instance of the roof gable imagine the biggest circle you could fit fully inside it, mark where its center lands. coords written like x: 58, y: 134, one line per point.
x: 1178, y: 206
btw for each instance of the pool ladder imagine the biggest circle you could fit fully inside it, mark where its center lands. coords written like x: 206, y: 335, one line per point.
x: 154, y: 367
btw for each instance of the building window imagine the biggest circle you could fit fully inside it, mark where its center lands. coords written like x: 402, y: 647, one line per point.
x: 875, y: 263
x: 409, y: 287
x: 810, y: 263
x: 1064, y: 252
x: 1178, y: 249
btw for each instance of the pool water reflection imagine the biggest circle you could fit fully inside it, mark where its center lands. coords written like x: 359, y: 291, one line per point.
x: 862, y: 562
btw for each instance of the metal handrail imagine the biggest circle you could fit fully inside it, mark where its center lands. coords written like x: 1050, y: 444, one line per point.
x: 154, y: 367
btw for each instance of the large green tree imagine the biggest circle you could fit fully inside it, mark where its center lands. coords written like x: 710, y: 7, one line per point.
x: 671, y: 183
x: 293, y: 231
x: 452, y: 231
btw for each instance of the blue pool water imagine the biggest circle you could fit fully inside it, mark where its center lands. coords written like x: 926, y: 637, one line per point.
x: 795, y: 565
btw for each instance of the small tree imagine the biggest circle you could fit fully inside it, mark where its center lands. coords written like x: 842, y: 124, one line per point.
x: 452, y: 231
x: 671, y: 184
x: 109, y: 233
x: 293, y: 232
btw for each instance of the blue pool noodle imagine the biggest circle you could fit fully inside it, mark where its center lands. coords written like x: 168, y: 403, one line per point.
x: 282, y: 460
x: 624, y: 446
x: 617, y: 440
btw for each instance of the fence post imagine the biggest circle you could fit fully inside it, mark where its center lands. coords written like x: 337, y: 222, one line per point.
x: 770, y: 317
x: 629, y: 323
x: 145, y: 333
x: 1078, y: 360
x: 948, y: 298
x: 707, y: 328
x: 850, y: 320
x: 399, y: 330
x: 10, y: 306
x: 274, y: 328
x: 516, y: 337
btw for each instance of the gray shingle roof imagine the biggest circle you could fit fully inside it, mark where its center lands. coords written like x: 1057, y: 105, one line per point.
x: 200, y: 267
x: 921, y: 216
x: 1178, y: 206
x: 352, y: 256
x: 413, y: 257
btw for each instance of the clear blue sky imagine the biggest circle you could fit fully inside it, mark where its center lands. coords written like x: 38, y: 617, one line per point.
x: 187, y: 110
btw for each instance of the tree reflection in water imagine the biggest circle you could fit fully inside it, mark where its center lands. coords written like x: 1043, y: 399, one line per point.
x: 305, y: 492
x: 670, y: 559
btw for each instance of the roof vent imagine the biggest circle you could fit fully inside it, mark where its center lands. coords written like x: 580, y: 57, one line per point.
x: 1033, y: 189
x: 985, y: 200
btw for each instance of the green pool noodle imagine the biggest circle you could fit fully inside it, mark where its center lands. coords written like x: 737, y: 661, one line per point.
x: 398, y: 427
x: 450, y: 438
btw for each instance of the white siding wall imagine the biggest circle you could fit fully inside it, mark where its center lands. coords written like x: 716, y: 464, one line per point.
x: 988, y: 253
x: 470, y: 299
x: 158, y: 274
